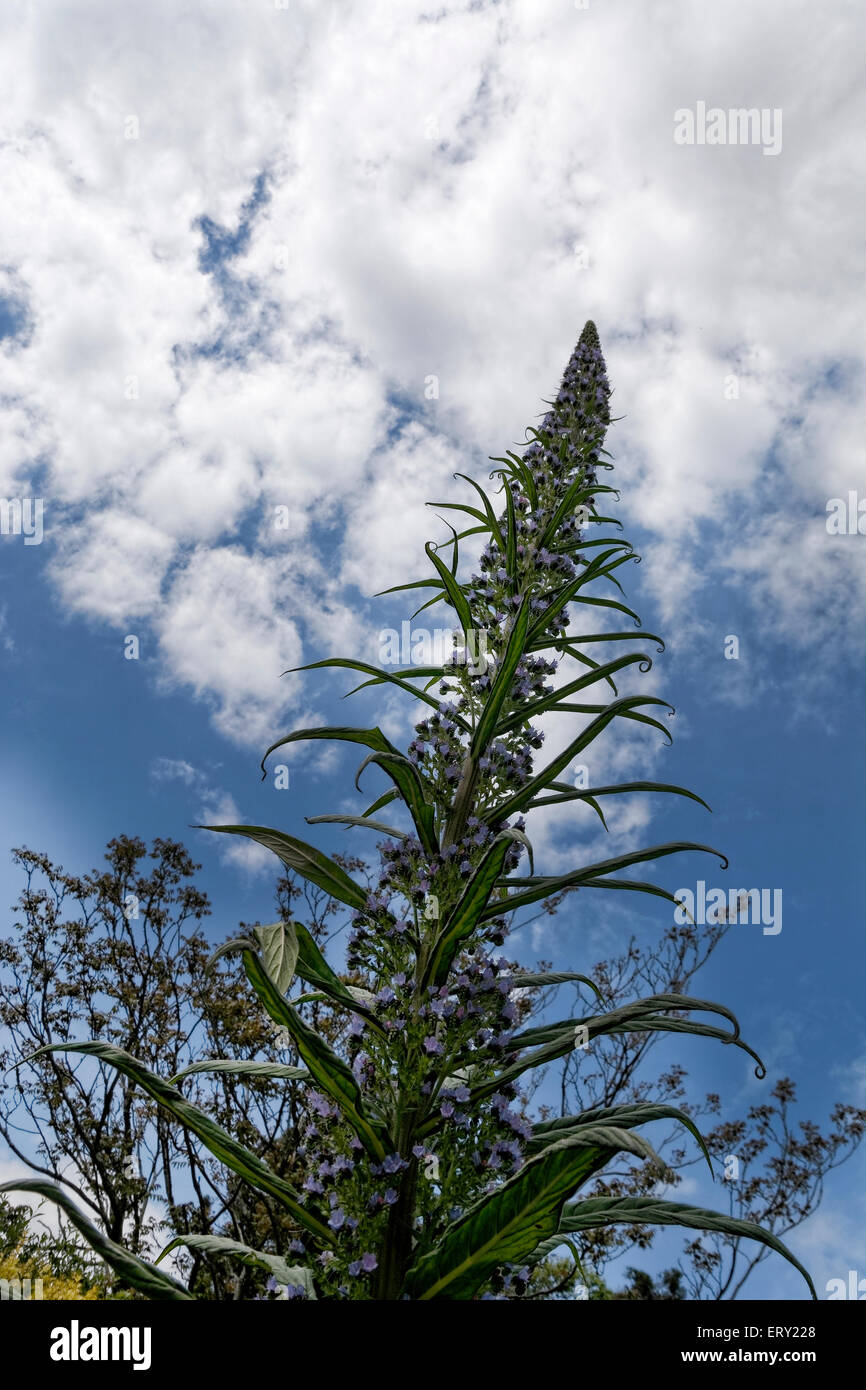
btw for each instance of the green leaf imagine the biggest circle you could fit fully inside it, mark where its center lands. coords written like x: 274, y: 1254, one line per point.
x: 520, y: 799
x: 408, y: 782
x: 384, y: 800
x: 524, y: 713
x: 652, y: 1211
x: 554, y: 1040
x: 325, y: 1067
x: 303, y: 859
x: 279, y: 948
x: 274, y: 1070
x: 488, y: 511
x: 538, y: 888
x: 507, y: 1226
x: 378, y: 676
x: 625, y: 1014
x: 569, y: 503
x: 556, y: 977
x: 362, y: 822
x: 238, y: 943
x: 313, y: 968
x: 511, y: 530
x: 593, y: 602
x: 456, y: 596
x: 501, y: 689
x: 144, y: 1277
x: 563, y: 596
x: 212, y: 1135
x: 283, y: 1272
x: 370, y: 738
x: 566, y: 793
x: 467, y: 912
x: 623, y: 1116
x: 615, y: 637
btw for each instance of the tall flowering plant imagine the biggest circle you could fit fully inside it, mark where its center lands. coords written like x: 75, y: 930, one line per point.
x: 425, y: 1180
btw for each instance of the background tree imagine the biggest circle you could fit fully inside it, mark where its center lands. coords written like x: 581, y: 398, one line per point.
x: 778, y: 1177
x: 66, y: 1268
x: 119, y: 952
x: 68, y: 960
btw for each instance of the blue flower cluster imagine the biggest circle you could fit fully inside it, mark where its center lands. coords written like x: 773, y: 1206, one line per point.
x: 438, y: 1047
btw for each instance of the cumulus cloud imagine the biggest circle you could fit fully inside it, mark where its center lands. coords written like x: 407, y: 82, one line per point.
x: 243, y: 240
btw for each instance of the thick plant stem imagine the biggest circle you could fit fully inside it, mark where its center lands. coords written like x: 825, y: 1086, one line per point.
x: 396, y: 1250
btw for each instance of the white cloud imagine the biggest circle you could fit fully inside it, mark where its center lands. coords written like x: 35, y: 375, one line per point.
x: 214, y: 806
x: 428, y: 180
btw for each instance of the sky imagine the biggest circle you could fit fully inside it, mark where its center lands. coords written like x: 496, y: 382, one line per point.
x: 272, y: 272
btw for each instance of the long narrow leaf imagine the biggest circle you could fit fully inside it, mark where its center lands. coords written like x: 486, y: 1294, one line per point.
x: 247, y: 1165
x: 635, y: 1211
x: 145, y: 1277
x: 303, y: 859
x: 325, y: 1067
x: 283, y: 1272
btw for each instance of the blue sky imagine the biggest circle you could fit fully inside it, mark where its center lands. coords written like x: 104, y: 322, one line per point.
x: 240, y: 309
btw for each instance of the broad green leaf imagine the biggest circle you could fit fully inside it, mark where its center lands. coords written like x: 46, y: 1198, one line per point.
x: 507, y: 1226
x: 555, y: 1040
x: 279, y: 950
x: 623, y: 1116
x: 626, y: 1013
x: 144, y: 1277
x: 313, y: 968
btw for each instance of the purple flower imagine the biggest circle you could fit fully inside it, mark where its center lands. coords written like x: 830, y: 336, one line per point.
x: 432, y: 1045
